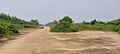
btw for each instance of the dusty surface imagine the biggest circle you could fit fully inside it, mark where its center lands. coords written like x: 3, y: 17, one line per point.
x: 5, y: 40
x: 42, y: 41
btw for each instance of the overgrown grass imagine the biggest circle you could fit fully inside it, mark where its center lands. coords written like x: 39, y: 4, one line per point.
x: 99, y: 27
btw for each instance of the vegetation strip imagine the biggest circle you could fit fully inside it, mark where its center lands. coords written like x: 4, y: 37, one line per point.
x: 10, y: 25
x: 66, y: 25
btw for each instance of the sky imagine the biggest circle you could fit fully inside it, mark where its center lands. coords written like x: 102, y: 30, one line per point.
x: 49, y: 10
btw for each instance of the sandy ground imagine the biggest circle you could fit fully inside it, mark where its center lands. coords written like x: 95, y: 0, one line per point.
x: 41, y: 41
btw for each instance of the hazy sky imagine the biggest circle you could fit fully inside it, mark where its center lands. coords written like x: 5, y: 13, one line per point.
x: 49, y: 10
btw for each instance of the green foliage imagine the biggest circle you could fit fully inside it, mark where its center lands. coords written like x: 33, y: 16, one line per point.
x: 11, y: 24
x: 29, y: 26
x: 66, y: 19
x: 74, y: 28
x: 93, y: 22
x: 35, y: 22
x: 15, y: 20
x: 101, y: 26
x: 64, y: 25
x: 7, y: 28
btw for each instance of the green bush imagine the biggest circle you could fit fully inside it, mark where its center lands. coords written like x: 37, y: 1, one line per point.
x: 74, y: 28
x: 11, y: 24
x: 2, y: 30
x: 100, y: 27
x: 66, y: 25
x: 63, y: 25
x: 29, y: 26
x: 6, y: 28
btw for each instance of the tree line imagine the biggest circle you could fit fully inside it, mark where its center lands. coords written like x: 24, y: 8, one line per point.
x: 67, y: 25
x: 10, y: 25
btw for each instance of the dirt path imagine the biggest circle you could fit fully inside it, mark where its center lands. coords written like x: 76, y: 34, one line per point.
x: 42, y: 41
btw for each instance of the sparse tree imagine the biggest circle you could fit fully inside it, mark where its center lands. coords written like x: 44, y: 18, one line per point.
x: 66, y: 19
x: 63, y: 25
x: 93, y: 22
x: 35, y: 22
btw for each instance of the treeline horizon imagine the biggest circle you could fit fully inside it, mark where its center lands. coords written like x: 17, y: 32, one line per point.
x: 115, y: 21
x: 55, y: 21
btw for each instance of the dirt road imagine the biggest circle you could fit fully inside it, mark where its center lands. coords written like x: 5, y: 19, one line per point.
x: 42, y: 41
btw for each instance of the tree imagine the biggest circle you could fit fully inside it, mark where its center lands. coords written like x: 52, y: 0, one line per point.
x: 35, y: 22
x: 93, y: 22
x: 63, y: 25
x: 66, y: 19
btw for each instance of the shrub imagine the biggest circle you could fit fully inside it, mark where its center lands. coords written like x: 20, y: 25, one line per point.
x: 5, y: 28
x: 29, y: 26
x: 11, y: 24
x: 63, y: 25
x: 74, y: 28
x: 66, y: 25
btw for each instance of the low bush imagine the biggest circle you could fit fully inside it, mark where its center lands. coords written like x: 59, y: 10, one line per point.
x: 100, y: 27
x: 7, y: 28
x: 63, y: 25
x: 74, y: 28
